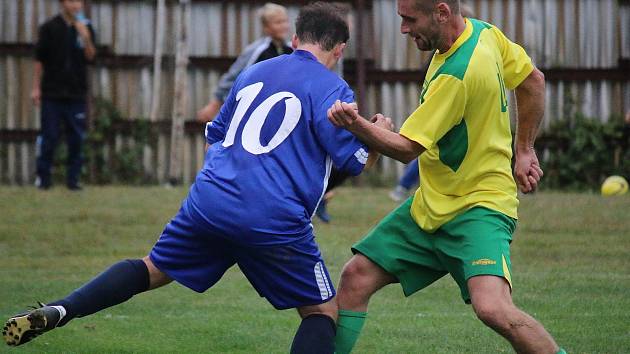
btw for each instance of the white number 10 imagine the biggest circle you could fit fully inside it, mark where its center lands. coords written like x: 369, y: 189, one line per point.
x: 252, y: 129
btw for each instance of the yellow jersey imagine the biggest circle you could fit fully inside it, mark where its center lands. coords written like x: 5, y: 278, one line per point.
x: 463, y: 123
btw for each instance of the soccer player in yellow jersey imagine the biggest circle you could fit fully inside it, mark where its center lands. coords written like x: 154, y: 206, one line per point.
x: 461, y: 219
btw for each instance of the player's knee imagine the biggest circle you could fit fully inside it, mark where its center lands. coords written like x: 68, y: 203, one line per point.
x: 494, y: 314
x: 327, y: 309
x: 357, y: 279
x: 157, y: 278
x: 487, y: 310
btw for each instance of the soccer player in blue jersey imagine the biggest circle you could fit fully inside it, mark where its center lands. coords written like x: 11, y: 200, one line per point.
x: 270, y: 152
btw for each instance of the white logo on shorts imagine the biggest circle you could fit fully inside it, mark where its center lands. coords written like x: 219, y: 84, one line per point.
x: 362, y: 156
x: 322, y: 281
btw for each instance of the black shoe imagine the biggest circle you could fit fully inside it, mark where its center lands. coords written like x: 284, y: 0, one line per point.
x: 75, y: 187
x: 21, y: 328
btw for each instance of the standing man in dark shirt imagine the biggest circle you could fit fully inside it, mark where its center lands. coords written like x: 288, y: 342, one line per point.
x: 64, y: 48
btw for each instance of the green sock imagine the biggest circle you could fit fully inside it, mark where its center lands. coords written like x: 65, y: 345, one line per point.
x: 349, y: 327
x: 561, y: 351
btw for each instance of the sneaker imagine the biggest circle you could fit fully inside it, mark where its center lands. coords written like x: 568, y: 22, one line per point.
x: 399, y: 194
x: 42, y: 185
x: 21, y: 328
x: 322, y: 213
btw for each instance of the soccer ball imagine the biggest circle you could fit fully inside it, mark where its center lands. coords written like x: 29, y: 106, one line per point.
x: 614, y: 185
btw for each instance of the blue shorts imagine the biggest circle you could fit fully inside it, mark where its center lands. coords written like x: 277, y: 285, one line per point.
x: 288, y: 276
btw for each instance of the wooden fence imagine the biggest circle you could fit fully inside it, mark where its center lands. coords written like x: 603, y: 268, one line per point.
x: 583, y: 47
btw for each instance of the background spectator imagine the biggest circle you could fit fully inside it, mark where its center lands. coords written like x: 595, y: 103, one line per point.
x: 275, y: 23
x: 64, y: 47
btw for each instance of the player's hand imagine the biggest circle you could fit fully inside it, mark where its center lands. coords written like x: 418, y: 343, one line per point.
x: 82, y: 29
x: 207, y: 113
x: 382, y: 122
x: 343, y: 114
x: 36, y: 96
x: 527, y: 170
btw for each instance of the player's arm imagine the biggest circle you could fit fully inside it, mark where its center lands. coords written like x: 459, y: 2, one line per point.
x: 382, y: 122
x: 442, y: 108
x: 36, y: 93
x: 529, y: 83
x: 87, y: 36
x: 210, y: 111
x: 217, y: 128
x: 386, y: 141
x: 41, y: 55
x: 530, y: 102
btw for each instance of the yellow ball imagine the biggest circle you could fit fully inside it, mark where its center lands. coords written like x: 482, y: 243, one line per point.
x: 614, y: 185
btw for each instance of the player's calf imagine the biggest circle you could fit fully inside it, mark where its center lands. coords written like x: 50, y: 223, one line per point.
x: 360, y: 279
x: 316, y: 334
x: 492, y: 303
x: 115, y: 285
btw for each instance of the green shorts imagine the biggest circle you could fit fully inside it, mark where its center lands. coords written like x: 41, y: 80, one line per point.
x: 476, y: 242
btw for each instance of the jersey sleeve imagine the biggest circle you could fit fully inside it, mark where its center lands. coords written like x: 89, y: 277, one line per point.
x: 348, y: 154
x: 517, y: 65
x: 216, y: 129
x: 442, y: 109
x: 226, y: 82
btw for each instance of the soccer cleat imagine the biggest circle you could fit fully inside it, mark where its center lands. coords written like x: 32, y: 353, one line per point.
x: 23, y: 327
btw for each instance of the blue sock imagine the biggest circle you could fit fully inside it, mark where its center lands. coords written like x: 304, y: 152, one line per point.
x: 316, y: 335
x: 115, y: 285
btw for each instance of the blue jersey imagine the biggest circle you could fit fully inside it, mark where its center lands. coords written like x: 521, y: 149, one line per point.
x: 272, y: 149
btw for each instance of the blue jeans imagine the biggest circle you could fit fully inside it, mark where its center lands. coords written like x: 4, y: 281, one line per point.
x: 73, y: 116
x: 411, y: 175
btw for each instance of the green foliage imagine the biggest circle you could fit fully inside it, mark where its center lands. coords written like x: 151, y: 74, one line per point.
x: 111, y: 165
x: 581, y: 152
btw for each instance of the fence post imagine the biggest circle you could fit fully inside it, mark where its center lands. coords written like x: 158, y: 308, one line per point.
x: 179, y: 106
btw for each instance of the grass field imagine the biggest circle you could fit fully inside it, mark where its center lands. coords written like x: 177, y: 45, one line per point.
x: 571, y: 263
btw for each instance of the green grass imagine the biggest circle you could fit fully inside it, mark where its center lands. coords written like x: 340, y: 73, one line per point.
x: 571, y: 265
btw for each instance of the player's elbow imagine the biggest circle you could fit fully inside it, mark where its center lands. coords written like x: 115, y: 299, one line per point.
x: 408, y: 158
x: 410, y: 152
x: 535, y: 82
x: 539, y: 79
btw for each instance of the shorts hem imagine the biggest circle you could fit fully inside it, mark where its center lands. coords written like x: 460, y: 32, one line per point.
x: 496, y: 274
x: 466, y: 296
x: 163, y: 269
x: 379, y: 262
x: 301, y: 304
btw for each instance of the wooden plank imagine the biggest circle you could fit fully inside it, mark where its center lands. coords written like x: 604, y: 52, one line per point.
x: 3, y: 156
x: 187, y: 167
x: 12, y: 92
x: 26, y: 162
x: 11, y: 163
x: 3, y: 94
x: 621, y: 73
x: 162, y: 159
x: 181, y: 94
x: 157, y: 59
x: 147, y: 161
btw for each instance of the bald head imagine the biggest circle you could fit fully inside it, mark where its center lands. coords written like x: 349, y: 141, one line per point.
x: 429, y: 5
